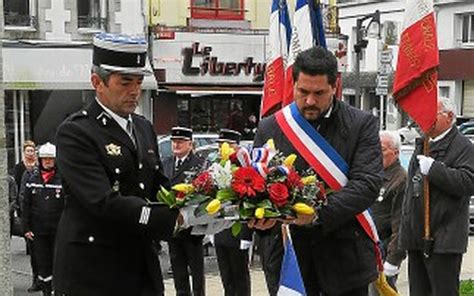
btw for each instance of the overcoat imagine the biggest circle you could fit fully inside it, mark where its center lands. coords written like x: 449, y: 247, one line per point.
x: 342, y: 255
x: 451, y: 179
x: 104, y: 239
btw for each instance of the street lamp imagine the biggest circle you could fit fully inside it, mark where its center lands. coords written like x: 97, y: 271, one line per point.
x: 361, y: 44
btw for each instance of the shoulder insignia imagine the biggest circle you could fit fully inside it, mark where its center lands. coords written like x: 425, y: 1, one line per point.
x: 79, y: 114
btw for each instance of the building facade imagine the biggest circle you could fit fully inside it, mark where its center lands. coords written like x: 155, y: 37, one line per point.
x: 47, y: 50
x: 455, y: 27
x: 209, y: 60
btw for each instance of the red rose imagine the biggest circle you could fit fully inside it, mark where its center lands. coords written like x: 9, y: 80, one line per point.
x: 293, y: 180
x: 247, y: 182
x: 203, y: 183
x: 278, y: 194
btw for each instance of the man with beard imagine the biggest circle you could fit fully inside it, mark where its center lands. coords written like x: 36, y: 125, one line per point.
x: 335, y: 252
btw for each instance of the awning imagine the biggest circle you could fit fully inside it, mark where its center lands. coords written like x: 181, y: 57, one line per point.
x: 213, y: 89
x: 51, y: 68
x: 456, y: 64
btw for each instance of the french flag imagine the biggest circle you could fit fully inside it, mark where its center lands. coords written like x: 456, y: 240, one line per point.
x: 305, y: 23
x: 291, y: 282
x: 415, y: 83
x: 279, y: 39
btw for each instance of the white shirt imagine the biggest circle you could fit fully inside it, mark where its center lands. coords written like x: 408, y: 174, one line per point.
x: 440, y: 137
x: 122, y: 122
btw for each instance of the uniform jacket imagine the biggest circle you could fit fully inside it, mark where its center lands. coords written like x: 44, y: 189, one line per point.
x: 346, y: 258
x: 43, y: 204
x: 179, y: 176
x: 104, y: 239
x: 387, y: 211
x: 451, y: 183
x: 192, y: 162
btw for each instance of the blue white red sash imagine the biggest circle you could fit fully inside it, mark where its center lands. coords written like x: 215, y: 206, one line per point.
x: 324, y: 159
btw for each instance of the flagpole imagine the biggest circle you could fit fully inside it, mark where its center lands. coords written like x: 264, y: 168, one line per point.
x: 428, y: 241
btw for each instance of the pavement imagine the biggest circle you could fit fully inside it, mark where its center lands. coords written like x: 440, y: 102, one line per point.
x: 21, y: 272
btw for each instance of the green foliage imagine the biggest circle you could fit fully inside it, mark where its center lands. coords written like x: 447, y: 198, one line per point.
x: 226, y: 194
x: 236, y: 228
x: 466, y: 288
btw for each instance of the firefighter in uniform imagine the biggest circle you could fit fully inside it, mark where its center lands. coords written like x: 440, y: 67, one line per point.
x: 42, y: 207
x: 186, y: 250
x: 111, y: 170
x: 232, y: 252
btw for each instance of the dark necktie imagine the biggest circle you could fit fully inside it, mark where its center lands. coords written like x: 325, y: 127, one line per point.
x: 178, y: 164
x: 130, y: 131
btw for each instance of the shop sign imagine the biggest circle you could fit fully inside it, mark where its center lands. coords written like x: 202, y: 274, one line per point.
x: 194, y: 58
x: 212, y: 65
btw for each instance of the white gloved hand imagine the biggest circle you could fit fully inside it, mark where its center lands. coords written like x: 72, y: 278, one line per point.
x: 245, y: 244
x: 216, y: 226
x: 190, y: 219
x: 425, y: 163
x: 390, y: 270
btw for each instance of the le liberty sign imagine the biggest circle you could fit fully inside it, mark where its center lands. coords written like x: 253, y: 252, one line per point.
x: 209, y: 64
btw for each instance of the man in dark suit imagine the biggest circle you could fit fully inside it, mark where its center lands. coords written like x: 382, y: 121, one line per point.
x: 232, y: 252
x: 335, y: 255
x: 109, y: 161
x: 186, y: 250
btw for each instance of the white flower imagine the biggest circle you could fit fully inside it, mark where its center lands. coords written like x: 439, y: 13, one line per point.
x: 222, y: 175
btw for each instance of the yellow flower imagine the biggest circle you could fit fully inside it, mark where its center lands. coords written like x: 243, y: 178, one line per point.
x: 289, y: 160
x: 184, y: 188
x: 213, y: 207
x: 302, y: 208
x: 308, y: 180
x: 226, y: 151
x: 259, y: 213
x: 271, y: 144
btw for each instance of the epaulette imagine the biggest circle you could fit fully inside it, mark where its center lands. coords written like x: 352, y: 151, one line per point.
x: 78, y: 115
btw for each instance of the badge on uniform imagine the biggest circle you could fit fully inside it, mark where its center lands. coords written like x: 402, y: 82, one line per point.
x: 116, y: 186
x: 113, y: 150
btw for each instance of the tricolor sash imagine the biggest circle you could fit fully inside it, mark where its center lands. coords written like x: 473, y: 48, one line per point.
x: 324, y: 159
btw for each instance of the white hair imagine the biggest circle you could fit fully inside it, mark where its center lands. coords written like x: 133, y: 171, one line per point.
x: 447, y: 105
x: 394, y: 138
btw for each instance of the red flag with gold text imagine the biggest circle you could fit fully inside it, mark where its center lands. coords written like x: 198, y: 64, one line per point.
x: 415, y: 83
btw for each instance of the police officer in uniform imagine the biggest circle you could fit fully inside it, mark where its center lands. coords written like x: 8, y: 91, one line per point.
x: 42, y: 207
x: 109, y: 161
x: 186, y: 250
x: 232, y: 252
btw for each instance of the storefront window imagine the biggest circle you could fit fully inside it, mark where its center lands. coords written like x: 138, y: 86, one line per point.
x: 217, y: 9
x: 36, y: 115
x: 208, y: 114
x: 17, y: 124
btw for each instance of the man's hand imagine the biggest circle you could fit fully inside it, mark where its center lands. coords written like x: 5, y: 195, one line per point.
x: 425, y: 163
x: 29, y: 235
x: 302, y: 219
x: 390, y: 270
x: 262, y: 224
